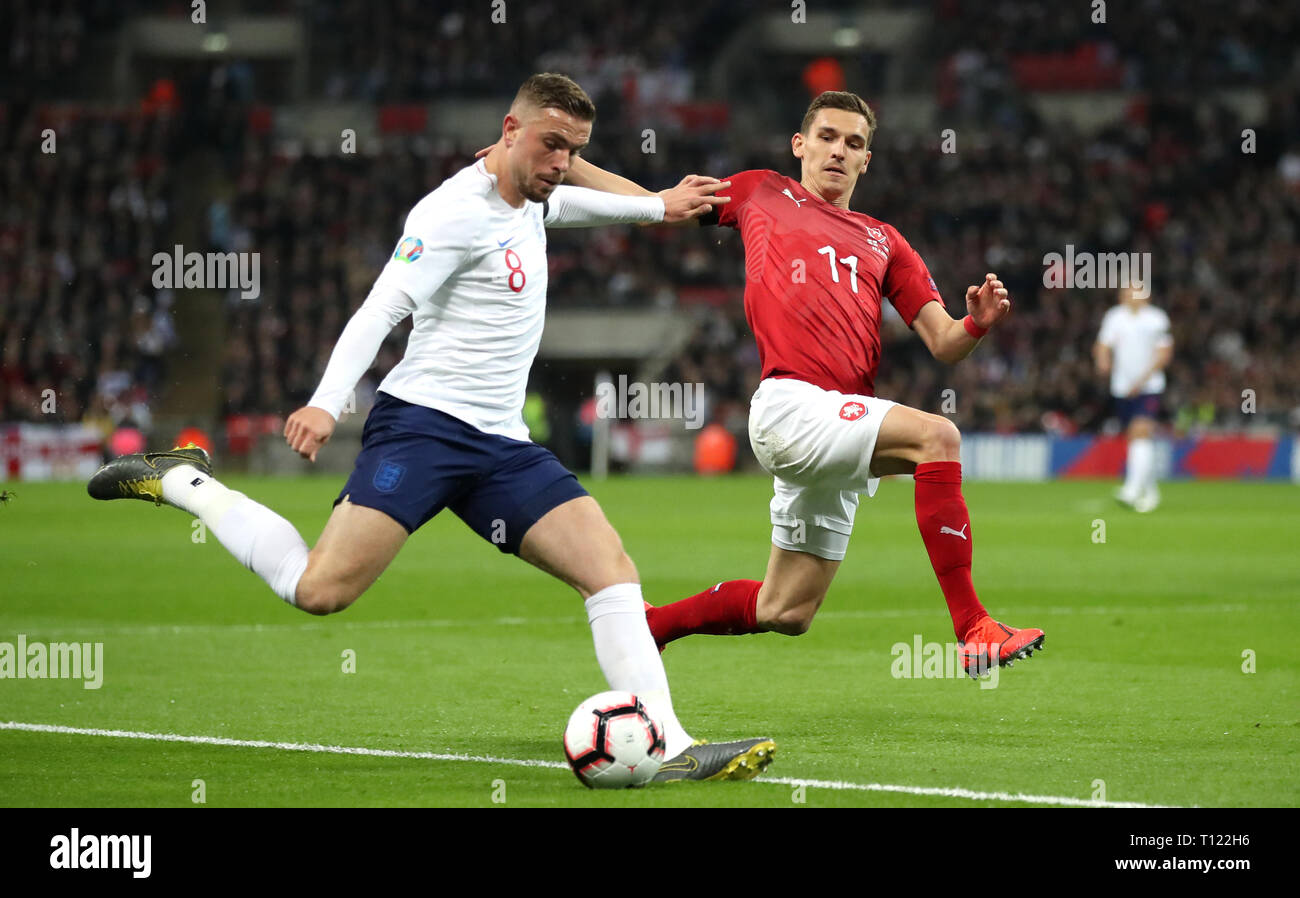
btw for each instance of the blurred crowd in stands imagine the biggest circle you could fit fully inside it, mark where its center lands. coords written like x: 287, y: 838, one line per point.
x: 41, y: 42
x: 1178, y: 176
x: 414, y: 52
x: 85, y: 202
x: 997, y: 46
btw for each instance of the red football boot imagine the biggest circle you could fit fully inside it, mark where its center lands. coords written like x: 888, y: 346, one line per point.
x: 988, y: 638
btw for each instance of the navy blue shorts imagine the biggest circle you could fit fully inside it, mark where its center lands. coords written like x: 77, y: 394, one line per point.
x: 1146, y: 405
x: 415, y: 461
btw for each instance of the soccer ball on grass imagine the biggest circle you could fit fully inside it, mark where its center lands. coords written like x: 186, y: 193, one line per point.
x: 613, y: 742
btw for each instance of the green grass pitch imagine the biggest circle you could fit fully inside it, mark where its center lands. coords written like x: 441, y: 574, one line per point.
x: 1141, y: 691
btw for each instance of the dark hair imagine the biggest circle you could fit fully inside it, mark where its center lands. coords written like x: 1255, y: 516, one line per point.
x: 549, y: 90
x: 840, y: 99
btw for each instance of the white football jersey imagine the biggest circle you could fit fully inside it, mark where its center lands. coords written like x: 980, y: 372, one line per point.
x: 475, y: 268
x: 1134, y: 337
x: 471, y: 271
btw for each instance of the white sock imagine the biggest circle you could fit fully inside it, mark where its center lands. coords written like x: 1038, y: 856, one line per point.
x: 1141, y: 466
x: 260, y: 539
x: 628, y: 657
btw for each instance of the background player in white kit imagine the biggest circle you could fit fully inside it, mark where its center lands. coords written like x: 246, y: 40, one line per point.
x: 446, y: 430
x: 1134, y: 347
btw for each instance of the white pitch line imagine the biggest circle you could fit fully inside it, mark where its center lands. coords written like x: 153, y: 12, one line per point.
x: 280, y: 746
x: 956, y: 792
x: 838, y: 785
x: 847, y: 614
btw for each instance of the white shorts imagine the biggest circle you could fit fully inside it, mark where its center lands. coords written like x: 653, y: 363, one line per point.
x: 817, y: 444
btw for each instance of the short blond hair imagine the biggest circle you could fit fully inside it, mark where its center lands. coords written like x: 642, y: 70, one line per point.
x: 551, y: 90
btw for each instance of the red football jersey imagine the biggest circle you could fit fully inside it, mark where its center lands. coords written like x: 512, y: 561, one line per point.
x: 814, y: 278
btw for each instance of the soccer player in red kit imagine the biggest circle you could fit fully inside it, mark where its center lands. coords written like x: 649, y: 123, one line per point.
x: 816, y: 274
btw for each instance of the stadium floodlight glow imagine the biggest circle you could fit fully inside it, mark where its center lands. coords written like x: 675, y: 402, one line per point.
x: 846, y: 37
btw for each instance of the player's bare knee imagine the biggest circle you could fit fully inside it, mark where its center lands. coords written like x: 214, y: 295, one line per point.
x: 940, y: 440
x: 312, y: 600
x: 793, y: 621
x: 322, y: 598
x: 789, y: 615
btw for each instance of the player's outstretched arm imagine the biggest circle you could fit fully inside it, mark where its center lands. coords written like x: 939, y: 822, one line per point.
x: 950, y: 339
x: 584, y: 174
x: 690, y: 200
x: 581, y: 207
x: 311, y: 426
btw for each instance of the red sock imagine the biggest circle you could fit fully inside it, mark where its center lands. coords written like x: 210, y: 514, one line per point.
x: 728, y: 609
x: 945, y: 527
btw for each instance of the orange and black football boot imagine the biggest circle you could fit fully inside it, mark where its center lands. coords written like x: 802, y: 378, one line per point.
x: 988, y: 639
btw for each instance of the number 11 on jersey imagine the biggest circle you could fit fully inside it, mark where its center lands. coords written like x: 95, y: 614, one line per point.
x: 851, y: 261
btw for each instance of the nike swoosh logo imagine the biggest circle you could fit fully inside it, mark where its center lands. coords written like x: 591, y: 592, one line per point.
x: 502, y: 243
x: 961, y: 532
x: 688, y: 764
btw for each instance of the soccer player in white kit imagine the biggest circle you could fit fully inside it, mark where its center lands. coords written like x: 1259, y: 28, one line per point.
x: 1134, y: 347
x: 447, y: 429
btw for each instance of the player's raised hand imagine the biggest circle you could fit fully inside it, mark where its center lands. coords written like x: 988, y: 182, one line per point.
x: 692, y: 197
x: 988, y: 303
x: 307, y: 430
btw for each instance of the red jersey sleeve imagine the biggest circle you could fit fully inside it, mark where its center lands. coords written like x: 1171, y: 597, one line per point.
x: 742, y: 187
x: 908, y: 284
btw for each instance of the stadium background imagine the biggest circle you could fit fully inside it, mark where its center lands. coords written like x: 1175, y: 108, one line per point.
x: 231, y: 135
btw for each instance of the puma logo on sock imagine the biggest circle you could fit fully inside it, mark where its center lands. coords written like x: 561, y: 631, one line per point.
x: 961, y: 532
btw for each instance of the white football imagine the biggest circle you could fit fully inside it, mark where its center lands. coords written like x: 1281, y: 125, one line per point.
x: 613, y: 742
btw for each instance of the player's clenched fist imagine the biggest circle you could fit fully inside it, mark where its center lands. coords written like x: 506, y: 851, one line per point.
x: 692, y: 197
x: 308, y: 429
x: 988, y: 303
